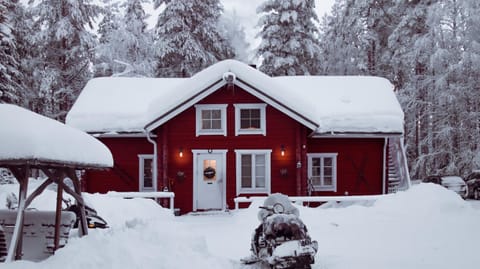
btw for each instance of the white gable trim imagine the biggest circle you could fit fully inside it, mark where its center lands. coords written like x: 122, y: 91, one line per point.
x: 217, y: 85
x: 185, y: 105
x: 276, y: 104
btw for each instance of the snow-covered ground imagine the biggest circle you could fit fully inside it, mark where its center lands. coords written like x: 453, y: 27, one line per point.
x: 427, y: 227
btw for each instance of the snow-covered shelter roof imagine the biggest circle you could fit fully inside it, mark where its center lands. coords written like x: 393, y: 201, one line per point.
x: 29, y: 138
x: 349, y: 104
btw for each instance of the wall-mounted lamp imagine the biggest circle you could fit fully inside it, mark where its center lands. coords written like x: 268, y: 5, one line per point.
x: 282, y: 150
x: 180, y: 152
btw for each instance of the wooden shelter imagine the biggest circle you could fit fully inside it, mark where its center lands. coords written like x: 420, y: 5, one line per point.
x: 31, y: 141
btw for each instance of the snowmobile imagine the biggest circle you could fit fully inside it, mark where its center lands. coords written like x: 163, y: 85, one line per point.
x: 93, y: 219
x: 281, y: 240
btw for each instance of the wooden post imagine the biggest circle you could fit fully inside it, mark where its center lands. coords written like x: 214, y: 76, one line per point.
x: 82, y: 225
x: 16, y: 243
x: 58, y: 211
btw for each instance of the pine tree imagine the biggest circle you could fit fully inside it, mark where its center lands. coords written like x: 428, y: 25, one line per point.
x: 10, y: 76
x: 289, y: 36
x: 187, y: 37
x: 66, y: 51
x: 234, y: 33
x: 125, y: 47
x: 342, y: 42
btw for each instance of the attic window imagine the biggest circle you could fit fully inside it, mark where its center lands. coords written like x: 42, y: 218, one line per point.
x: 211, y: 119
x: 250, y: 119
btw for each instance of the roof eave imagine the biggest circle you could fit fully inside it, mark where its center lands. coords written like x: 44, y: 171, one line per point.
x: 41, y: 163
x: 355, y: 134
x: 157, y: 122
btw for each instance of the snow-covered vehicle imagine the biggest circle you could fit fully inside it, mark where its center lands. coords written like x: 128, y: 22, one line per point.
x: 281, y: 240
x: 93, y: 219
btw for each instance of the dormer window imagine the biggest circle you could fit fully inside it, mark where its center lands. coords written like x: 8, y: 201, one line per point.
x: 250, y: 119
x: 211, y: 119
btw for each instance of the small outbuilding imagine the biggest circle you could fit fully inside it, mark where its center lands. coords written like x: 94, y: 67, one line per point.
x: 31, y: 141
x: 231, y: 130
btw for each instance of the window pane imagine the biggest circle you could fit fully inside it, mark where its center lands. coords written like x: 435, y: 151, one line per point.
x: 327, y: 171
x: 259, y: 160
x: 316, y: 180
x: 244, y: 124
x: 246, y: 171
x: 147, y: 173
x: 327, y: 161
x: 206, y: 124
x: 255, y: 113
x: 255, y: 124
x: 209, y: 170
x: 328, y: 181
x: 315, y: 171
x: 260, y: 182
x: 206, y: 114
x: 216, y: 114
x: 216, y: 124
x: 316, y: 162
x: 244, y: 114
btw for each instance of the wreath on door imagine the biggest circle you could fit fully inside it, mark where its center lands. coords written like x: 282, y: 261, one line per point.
x: 209, y: 172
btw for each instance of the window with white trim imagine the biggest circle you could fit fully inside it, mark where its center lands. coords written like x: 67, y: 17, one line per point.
x: 211, y: 119
x: 250, y: 119
x: 145, y: 165
x: 322, y: 170
x: 253, y: 171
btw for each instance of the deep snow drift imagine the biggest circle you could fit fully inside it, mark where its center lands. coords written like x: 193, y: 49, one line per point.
x: 426, y: 227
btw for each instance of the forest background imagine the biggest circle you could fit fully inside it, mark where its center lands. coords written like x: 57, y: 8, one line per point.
x: 429, y: 50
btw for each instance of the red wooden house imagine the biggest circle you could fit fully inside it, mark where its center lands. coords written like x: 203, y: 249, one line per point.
x: 231, y: 130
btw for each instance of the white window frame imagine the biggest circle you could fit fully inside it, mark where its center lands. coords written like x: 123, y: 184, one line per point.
x: 267, y: 153
x: 141, y: 168
x: 322, y: 186
x: 261, y: 131
x: 223, y: 115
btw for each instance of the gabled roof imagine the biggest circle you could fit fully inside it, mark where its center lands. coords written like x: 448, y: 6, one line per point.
x: 349, y: 104
x: 29, y: 138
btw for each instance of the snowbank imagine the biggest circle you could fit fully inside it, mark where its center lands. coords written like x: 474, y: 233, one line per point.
x: 426, y: 227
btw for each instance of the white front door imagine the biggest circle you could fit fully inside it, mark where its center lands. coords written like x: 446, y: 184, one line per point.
x: 209, y: 179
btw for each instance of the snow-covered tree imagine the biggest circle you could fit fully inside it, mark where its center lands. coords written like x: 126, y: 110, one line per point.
x: 125, y: 43
x: 289, y: 44
x: 234, y: 33
x: 10, y: 82
x: 66, y: 50
x: 343, y: 48
x: 187, y: 38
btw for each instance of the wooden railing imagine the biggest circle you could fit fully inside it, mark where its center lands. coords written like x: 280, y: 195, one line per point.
x: 306, y: 199
x: 152, y: 194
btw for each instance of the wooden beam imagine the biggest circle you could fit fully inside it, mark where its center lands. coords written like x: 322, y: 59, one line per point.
x: 17, y: 237
x: 38, y: 191
x: 58, y: 210
x: 83, y: 226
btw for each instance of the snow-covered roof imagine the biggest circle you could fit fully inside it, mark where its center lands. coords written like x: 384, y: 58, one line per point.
x: 348, y: 104
x: 119, y: 104
x: 27, y: 137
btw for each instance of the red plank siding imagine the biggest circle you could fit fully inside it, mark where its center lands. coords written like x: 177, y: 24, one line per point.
x: 180, y: 131
x: 359, y: 163
x: 124, y: 177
